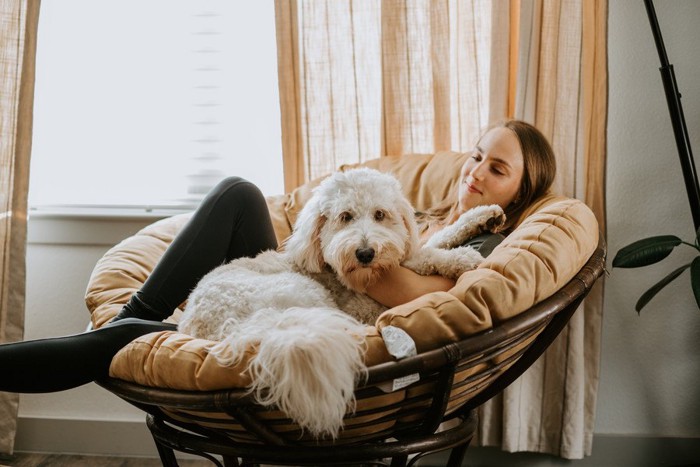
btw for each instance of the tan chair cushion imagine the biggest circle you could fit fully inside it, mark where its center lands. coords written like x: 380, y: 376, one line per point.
x: 525, y: 268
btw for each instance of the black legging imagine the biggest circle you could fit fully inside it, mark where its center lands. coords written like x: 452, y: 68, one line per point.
x: 231, y: 222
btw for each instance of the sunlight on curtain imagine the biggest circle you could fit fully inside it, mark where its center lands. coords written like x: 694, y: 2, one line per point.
x: 18, y: 24
x: 362, y: 79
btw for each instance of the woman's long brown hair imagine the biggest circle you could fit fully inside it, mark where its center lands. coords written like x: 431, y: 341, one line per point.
x: 538, y: 173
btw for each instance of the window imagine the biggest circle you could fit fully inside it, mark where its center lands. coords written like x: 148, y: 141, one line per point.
x: 143, y: 103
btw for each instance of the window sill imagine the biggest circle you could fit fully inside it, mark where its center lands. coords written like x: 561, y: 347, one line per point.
x: 108, y: 212
x: 93, y: 225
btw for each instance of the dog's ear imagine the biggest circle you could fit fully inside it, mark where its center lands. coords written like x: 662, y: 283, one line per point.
x: 304, y: 245
x: 408, y: 216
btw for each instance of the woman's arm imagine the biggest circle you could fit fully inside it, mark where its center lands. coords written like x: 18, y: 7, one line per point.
x: 400, y: 285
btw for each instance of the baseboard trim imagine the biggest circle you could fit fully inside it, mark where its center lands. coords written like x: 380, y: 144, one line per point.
x: 608, y: 451
x: 132, y: 439
x: 91, y: 437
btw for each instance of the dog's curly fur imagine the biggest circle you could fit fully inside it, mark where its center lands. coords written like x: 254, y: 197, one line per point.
x: 303, y: 309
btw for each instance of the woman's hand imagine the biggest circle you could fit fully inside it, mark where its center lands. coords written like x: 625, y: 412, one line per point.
x: 401, y: 285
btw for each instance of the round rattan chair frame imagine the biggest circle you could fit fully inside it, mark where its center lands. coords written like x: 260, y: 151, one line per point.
x: 491, y: 360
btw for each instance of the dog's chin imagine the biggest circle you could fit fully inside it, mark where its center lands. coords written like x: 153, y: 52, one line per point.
x: 358, y: 277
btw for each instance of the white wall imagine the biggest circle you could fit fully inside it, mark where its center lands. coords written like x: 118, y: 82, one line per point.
x: 650, y: 375
x: 650, y: 381
x: 61, y: 254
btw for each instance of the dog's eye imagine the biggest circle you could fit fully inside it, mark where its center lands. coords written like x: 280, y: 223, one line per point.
x: 379, y: 216
x: 346, y: 217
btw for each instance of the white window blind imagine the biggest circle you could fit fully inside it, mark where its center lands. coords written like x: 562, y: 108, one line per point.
x: 151, y: 102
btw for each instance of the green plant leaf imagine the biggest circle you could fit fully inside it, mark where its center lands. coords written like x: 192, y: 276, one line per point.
x: 649, y: 294
x: 695, y: 279
x: 646, y: 251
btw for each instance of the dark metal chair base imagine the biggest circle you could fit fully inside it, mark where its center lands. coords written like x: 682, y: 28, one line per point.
x: 170, y: 438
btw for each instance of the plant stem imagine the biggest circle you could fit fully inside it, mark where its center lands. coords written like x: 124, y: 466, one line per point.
x: 691, y: 244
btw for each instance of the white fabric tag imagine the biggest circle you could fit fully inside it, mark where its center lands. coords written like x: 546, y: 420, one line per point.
x: 400, y: 383
x: 400, y: 345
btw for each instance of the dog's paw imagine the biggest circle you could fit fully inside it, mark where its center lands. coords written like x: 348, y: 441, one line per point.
x: 460, y: 260
x: 448, y: 263
x: 465, y: 258
x: 489, y: 218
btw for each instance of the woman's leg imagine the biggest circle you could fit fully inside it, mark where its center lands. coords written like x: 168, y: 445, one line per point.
x: 232, y: 222
x: 56, y: 364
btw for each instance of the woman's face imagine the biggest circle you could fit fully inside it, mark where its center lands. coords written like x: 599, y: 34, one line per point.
x: 493, y: 172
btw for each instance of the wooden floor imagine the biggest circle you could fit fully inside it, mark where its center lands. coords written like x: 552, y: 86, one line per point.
x: 56, y: 460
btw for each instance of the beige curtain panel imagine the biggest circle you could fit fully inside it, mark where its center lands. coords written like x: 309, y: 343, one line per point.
x: 363, y: 78
x: 561, y: 86
x: 18, y: 27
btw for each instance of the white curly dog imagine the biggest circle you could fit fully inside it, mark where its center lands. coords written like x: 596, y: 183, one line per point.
x: 303, y: 309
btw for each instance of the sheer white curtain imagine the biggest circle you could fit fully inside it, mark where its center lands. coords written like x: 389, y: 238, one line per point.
x: 18, y: 25
x: 360, y: 79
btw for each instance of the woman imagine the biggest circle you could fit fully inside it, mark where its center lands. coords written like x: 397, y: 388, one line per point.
x: 512, y: 165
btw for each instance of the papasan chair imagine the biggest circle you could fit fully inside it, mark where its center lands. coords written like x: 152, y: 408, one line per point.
x: 472, y: 341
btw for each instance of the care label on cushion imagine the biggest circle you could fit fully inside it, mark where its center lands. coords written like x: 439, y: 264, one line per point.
x: 400, y: 345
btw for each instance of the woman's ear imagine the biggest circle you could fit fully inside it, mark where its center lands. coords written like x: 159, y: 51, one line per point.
x: 304, y: 245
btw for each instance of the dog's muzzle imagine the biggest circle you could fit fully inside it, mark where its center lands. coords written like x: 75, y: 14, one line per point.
x: 364, y: 255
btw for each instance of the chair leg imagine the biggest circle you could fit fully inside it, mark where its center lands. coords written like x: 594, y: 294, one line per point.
x: 167, y: 455
x: 457, y: 454
x: 230, y: 461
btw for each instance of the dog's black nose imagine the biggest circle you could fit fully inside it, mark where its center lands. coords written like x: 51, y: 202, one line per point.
x: 364, y: 255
